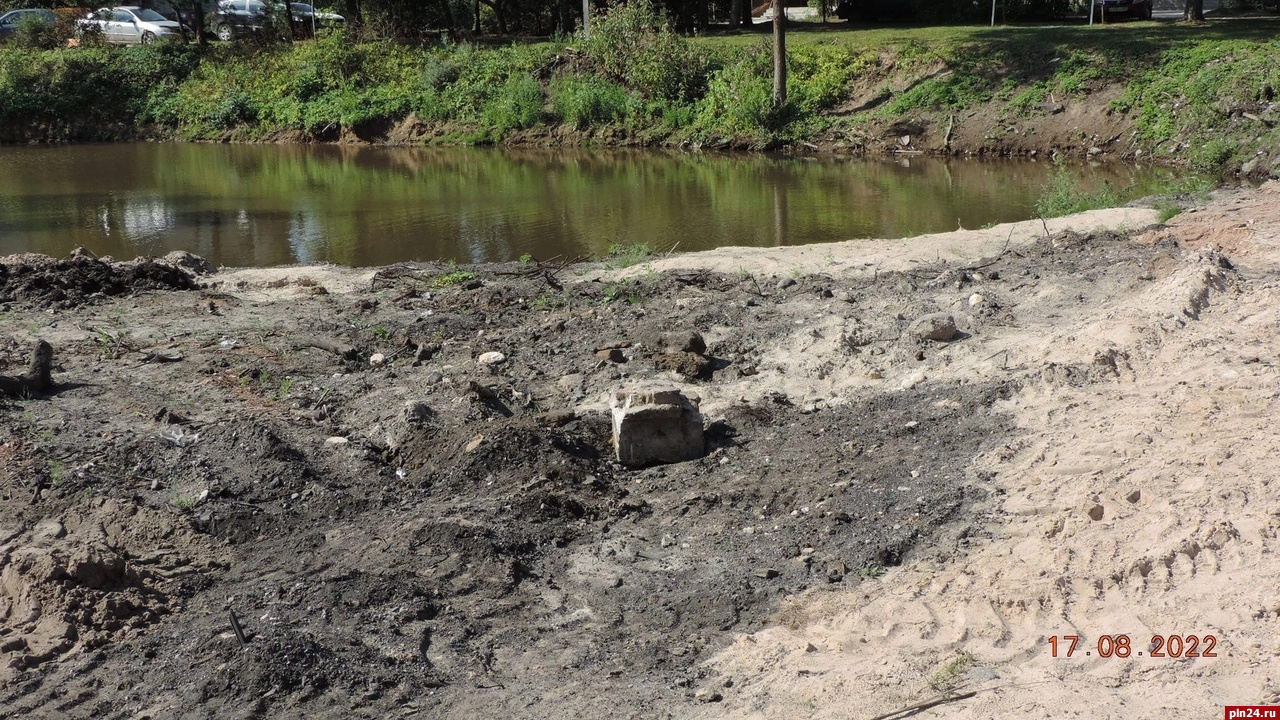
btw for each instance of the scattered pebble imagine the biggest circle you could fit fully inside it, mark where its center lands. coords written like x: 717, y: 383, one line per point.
x: 492, y: 357
x: 1095, y: 512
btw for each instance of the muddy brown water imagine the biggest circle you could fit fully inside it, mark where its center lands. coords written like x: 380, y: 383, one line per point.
x: 261, y: 205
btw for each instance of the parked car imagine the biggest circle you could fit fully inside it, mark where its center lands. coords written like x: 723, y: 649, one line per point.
x: 236, y: 18
x: 9, y: 21
x: 303, y: 14
x: 1112, y: 10
x: 131, y: 25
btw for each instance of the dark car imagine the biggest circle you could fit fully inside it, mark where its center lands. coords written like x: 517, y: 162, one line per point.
x: 872, y: 10
x: 306, y: 16
x: 1112, y: 10
x: 9, y: 21
x: 235, y: 18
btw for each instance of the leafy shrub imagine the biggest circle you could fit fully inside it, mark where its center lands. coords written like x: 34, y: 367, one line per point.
x: 1065, y: 196
x: 517, y: 106
x: 588, y: 101
x: 35, y: 33
x: 634, y: 45
x: 739, y: 101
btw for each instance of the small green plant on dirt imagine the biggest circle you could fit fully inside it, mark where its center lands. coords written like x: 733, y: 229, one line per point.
x: 871, y: 571
x: 622, y: 255
x: 57, y: 472
x: 1167, y: 212
x: 285, y: 386
x: 382, y: 333
x: 946, y: 679
x: 525, y: 259
x: 450, y: 279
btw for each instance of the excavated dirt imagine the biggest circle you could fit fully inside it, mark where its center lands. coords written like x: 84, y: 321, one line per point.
x: 298, y: 492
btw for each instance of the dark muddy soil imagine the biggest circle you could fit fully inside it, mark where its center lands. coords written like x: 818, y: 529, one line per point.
x: 210, y: 516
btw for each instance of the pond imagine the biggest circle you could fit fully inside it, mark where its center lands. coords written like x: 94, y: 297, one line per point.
x: 259, y: 205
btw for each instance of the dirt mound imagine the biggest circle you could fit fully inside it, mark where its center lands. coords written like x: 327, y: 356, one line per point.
x: 63, y: 284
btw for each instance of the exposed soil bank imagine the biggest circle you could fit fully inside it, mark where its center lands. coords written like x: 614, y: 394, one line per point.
x: 400, y: 529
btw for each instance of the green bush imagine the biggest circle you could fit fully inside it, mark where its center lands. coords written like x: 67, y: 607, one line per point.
x: 739, y: 101
x: 517, y: 106
x: 634, y: 45
x: 35, y: 33
x: 590, y: 101
x: 1065, y: 196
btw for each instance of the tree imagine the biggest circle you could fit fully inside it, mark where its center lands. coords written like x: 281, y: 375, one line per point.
x: 1193, y: 11
x: 779, y: 54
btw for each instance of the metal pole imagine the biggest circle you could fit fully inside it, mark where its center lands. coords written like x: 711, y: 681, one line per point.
x: 1091, y: 11
x: 993, y: 13
x: 586, y: 19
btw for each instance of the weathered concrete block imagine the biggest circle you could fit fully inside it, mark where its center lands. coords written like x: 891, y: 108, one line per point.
x: 655, y: 425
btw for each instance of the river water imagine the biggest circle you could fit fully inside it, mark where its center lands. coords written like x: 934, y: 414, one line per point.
x: 258, y: 205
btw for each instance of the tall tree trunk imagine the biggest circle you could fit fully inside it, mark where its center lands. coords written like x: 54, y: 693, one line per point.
x: 198, y: 9
x: 735, y: 14
x: 1193, y: 11
x: 779, y: 54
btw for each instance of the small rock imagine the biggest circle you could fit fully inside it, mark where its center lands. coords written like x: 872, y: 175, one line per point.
x: 476, y: 442
x: 613, y: 355
x: 668, y: 541
x: 688, y: 364
x: 336, y: 441
x: 707, y: 695
x: 48, y: 531
x: 912, y: 380
x: 1095, y: 512
x: 785, y: 283
x: 1134, y: 496
x: 678, y: 341
x: 426, y: 351
x: 875, y: 375
x: 434, y: 377
x: 904, y: 141
x: 1052, y: 108
x: 377, y: 359
x: 767, y: 573
x: 810, y: 648
x: 977, y: 299
x: 492, y: 357
x: 1093, y: 151
x: 934, y: 326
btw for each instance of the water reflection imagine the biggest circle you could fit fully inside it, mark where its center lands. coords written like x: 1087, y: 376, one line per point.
x: 267, y: 205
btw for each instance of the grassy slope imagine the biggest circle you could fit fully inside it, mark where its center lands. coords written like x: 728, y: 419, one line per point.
x: 1201, y: 94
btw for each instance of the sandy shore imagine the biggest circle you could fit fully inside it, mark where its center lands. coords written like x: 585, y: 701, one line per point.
x: 402, y: 529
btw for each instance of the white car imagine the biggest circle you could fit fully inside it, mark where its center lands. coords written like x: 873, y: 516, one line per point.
x: 130, y: 25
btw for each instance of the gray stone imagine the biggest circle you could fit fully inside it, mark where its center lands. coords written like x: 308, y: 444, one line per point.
x: 707, y: 695
x: 785, y: 283
x: 767, y: 573
x: 1095, y: 513
x: 655, y: 425
x: 1134, y: 496
x: 934, y: 326
x: 677, y: 341
x: 1051, y: 108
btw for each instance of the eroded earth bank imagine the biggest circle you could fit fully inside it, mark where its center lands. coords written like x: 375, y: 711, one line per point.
x: 313, y: 492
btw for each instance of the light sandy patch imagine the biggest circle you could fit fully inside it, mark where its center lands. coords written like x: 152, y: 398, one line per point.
x: 1141, y: 502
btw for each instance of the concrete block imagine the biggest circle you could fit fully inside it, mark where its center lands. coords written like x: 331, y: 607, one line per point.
x: 655, y: 425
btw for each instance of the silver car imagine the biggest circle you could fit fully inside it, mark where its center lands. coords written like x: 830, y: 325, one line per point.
x: 129, y: 25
